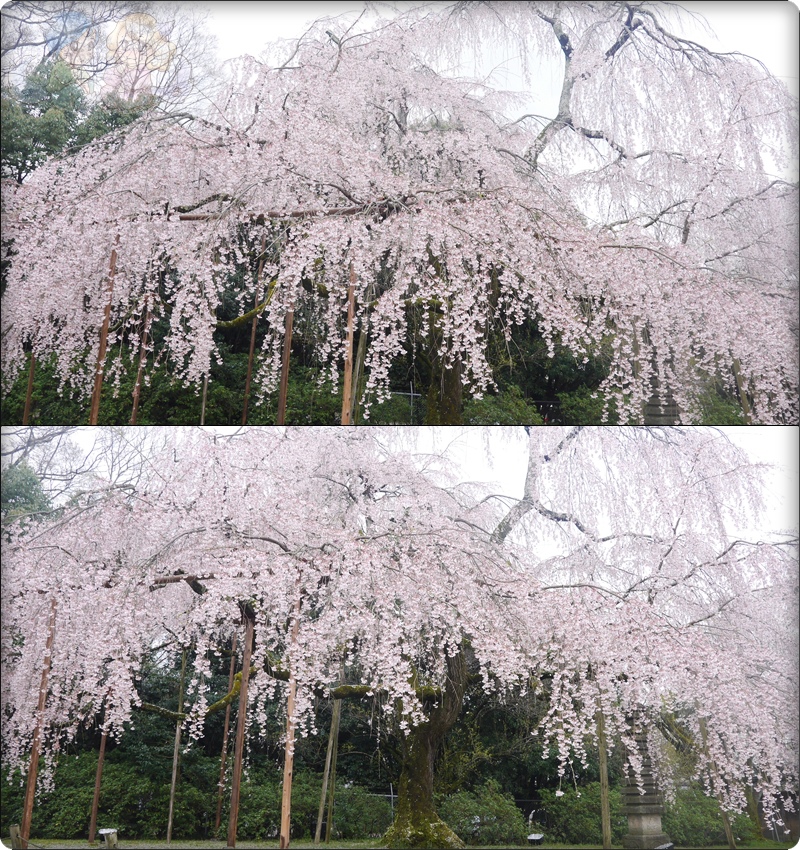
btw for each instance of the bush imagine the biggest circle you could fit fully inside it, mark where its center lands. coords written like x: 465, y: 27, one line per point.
x: 484, y: 816
x: 505, y: 408
x: 694, y: 820
x: 357, y: 814
x: 579, y: 408
x: 574, y: 818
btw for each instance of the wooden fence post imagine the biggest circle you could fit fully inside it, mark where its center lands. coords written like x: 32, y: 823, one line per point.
x: 225, y: 738
x: 33, y: 766
x: 347, y: 392
x: 241, y: 720
x: 101, y: 351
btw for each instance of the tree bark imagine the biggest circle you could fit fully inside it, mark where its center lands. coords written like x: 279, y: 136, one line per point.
x: 416, y: 822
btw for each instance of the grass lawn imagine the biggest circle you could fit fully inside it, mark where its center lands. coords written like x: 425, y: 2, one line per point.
x: 177, y: 844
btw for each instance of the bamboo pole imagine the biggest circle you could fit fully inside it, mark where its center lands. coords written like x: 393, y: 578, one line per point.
x: 287, y: 350
x: 137, y: 387
x: 33, y: 766
x: 97, y: 780
x: 337, y: 710
x: 259, y: 278
x: 240, y: 728
x: 348, y: 362
x: 176, y: 750
x: 218, y: 816
x: 605, y: 805
x: 288, y: 762
x: 26, y: 413
x: 101, y: 351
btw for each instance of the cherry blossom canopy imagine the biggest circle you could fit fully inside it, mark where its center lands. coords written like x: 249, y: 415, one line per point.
x: 640, y: 224
x: 613, y: 584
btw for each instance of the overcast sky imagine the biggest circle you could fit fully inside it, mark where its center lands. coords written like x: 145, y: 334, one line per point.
x: 767, y: 30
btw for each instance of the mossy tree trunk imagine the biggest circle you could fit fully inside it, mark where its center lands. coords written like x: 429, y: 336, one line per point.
x: 416, y: 822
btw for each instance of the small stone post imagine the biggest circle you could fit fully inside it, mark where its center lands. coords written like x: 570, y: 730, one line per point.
x: 643, y: 810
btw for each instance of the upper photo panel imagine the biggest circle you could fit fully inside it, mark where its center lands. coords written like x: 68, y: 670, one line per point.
x: 444, y: 213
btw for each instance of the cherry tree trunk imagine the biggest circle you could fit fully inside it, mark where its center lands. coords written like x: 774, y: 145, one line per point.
x: 444, y: 393
x: 416, y: 822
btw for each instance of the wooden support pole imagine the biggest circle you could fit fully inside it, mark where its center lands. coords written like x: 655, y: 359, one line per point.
x: 137, y: 387
x: 288, y: 762
x: 740, y: 388
x: 203, y: 403
x: 605, y: 805
x: 101, y: 351
x: 33, y: 766
x: 176, y: 750
x: 241, y: 721
x: 26, y: 413
x: 287, y: 350
x: 337, y: 710
x: 358, y: 374
x: 726, y: 822
x: 348, y: 362
x: 259, y: 278
x: 97, y: 780
x: 218, y: 817
x: 332, y: 788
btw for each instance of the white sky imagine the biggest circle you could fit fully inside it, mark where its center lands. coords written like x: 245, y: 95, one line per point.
x: 767, y: 30
x: 777, y: 446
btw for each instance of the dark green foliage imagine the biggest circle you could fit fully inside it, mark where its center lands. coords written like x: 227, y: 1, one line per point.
x: 50, y: 115
x: 484, y: 816
x: 719, y: 409
x: 580, y: 408
x: 504, y: 408
x: 694, y: 820
x: 22, y: 493
x: 574, y: 819
x: 40, y: 120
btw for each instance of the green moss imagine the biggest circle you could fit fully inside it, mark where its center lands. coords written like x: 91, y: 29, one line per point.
x: 422, y: 832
